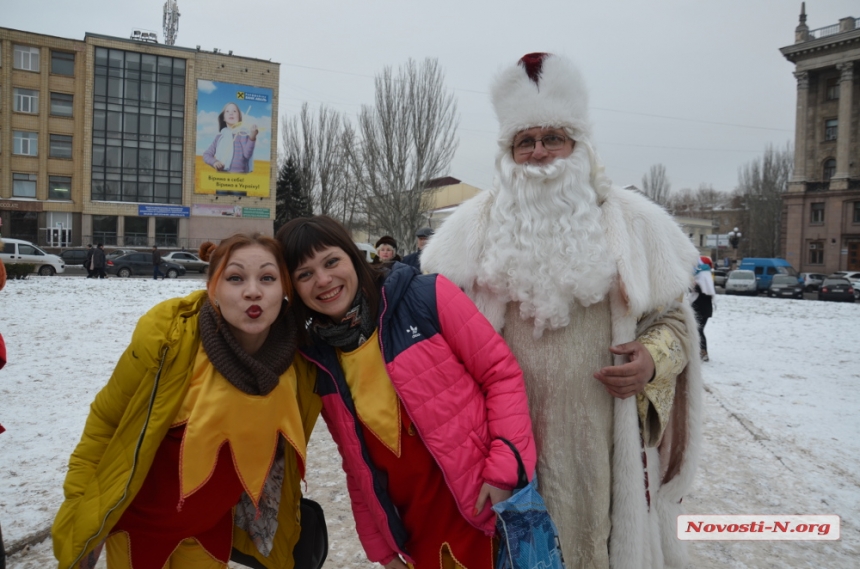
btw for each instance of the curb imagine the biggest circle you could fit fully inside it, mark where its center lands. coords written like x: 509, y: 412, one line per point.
x: 32, y: 539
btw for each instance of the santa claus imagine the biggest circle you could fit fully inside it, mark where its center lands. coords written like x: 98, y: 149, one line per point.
x: 586, y: 283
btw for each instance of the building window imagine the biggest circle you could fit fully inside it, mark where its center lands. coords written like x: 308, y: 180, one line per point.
x: 856, y: 217
x: 829, y: 169
x: 831, y: 128
x: 832, y: 87
x: 61, y: 146
x: 816, y: 214
x: 24, y: 185
x: 136, y: 231
x: 25, y: 143
x: 62, y: 63
x: 166, y: 231
x: 26, y: 58
x: 59, y: 188
x: 816, y: 253
x: 61, y: 104
x: 104, y: 229
x: 26, y: 101
x: 138, y: 127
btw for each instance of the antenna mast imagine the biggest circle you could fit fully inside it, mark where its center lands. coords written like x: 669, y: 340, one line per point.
x: 171, y: 22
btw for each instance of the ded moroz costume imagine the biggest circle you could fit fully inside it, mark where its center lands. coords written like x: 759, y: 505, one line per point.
x: 565, y: 265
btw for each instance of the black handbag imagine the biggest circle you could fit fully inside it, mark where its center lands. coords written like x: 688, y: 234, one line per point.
x: 310, y: 551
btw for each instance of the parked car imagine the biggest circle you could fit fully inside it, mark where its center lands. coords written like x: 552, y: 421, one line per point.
x: 837, y: 289
x: 720, y: 278
x: 785, y: 286
x: 190, y: 261
x: 850, y: 275
x: 741, y: 282
x: 20, y: 251
x: 119, y: 253
x: 72, y: 257
x: 765, y: 268
x: 141, y: 264
x: 811, y: 281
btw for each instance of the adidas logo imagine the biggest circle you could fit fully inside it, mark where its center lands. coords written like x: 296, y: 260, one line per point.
x: 414, y: 331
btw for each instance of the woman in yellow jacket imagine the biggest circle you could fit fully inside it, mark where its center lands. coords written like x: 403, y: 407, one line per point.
x: 197, y: 443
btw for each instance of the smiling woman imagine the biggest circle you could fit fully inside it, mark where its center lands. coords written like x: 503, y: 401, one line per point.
x: 440, y: 414
x: 209, y: 405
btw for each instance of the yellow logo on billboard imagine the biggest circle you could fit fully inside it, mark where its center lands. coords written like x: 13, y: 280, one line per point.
x: 240, y: 95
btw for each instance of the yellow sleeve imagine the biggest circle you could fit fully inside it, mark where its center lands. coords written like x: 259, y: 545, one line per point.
x: 655, y: 402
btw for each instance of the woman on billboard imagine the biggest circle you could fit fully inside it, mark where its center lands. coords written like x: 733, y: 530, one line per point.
x: 233, y: 148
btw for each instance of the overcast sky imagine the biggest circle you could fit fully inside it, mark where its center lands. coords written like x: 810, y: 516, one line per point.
x: 699, y: 86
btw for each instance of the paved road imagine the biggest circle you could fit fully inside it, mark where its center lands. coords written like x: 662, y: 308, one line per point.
x: 78, y: 271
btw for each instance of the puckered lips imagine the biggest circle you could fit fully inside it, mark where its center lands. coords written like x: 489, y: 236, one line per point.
x: 254, y: 312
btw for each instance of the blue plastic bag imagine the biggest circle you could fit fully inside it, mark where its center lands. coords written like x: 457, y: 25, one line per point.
x: 528, y: 538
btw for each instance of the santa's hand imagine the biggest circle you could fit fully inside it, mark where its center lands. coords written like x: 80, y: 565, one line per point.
x: 495, y: 495
x: 396, y: 563
x: 630, y: 378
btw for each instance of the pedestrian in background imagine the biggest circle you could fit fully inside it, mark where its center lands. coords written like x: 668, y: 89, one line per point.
x: 386, y: 250
x: 703, y: 299
x: 422, y: 236
x: 156, y: 264
x: 99, y: 262
x: 88, y: 264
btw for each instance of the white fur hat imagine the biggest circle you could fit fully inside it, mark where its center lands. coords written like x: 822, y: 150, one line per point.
x: 544, y: 90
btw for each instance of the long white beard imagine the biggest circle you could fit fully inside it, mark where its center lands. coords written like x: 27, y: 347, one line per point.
x: 546, y: 246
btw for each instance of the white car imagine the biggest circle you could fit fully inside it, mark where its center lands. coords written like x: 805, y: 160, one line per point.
x: 20, y: 251
x: 190, y: 261
x: 741, y: 282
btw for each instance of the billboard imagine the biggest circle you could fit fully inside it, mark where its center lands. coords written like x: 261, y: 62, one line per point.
x: 234, y: 139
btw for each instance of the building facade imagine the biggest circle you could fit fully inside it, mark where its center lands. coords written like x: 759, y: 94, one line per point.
x: 821, y: 213
x: 133, y: 143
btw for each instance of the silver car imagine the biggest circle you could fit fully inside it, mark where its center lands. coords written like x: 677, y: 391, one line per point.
x: 741, y: 282
x: 190, y: 261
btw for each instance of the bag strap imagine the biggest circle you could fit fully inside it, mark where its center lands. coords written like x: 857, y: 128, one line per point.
x: 522, y: 478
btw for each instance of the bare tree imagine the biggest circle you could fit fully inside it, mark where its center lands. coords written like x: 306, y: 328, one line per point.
x: 655, y: 184
x: 762, y: 183
x: 318, y: 145
x: 407, y: 138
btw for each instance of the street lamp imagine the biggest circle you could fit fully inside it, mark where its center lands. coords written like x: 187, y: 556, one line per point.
x: 734, y: 237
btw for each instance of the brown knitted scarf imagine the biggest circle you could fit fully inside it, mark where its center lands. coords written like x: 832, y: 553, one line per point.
x: 257, y: 374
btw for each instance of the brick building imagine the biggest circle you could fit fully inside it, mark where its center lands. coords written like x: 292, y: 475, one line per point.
x: 821, y: 213
x: 116, y: 140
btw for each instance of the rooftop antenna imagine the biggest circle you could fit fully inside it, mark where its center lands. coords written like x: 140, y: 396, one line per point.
x: 171, y: 22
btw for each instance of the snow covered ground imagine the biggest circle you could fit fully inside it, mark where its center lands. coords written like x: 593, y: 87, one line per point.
x: 782, y: 427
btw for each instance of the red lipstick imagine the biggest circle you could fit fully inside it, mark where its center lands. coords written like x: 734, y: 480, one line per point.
x: 254, y: 312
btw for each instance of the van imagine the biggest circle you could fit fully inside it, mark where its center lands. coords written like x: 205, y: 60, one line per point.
x: 19, y: 251
x: 764, y: 269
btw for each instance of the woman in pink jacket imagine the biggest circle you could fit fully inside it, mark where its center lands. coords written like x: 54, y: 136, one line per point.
x: 418, y: 392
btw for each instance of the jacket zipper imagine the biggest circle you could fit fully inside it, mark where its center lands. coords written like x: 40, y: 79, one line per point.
x: 414, y: 424
x: 366, y: 466
x: 134, y: 462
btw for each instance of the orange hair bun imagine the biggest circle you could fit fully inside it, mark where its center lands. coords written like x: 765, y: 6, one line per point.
x: 206, y: 250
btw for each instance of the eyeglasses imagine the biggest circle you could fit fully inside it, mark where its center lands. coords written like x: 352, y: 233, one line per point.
x: 549, y: 141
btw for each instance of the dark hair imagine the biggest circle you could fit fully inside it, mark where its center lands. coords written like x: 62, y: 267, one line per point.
x: 217, y: 257
x: 302, y: 237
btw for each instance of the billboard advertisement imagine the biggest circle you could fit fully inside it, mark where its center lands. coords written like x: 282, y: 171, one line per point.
x: 234, y: 139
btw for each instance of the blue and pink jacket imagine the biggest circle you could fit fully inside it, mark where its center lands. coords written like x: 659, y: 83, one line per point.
x: 460, y: 385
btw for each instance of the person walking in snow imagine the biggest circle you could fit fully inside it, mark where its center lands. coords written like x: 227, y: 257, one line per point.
x: 703, y: 299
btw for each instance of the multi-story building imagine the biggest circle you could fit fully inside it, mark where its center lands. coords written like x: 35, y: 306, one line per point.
x: 133, y: 143
x: 821, y: 209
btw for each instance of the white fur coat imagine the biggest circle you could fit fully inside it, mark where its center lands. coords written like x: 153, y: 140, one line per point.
x: 655, y: 262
